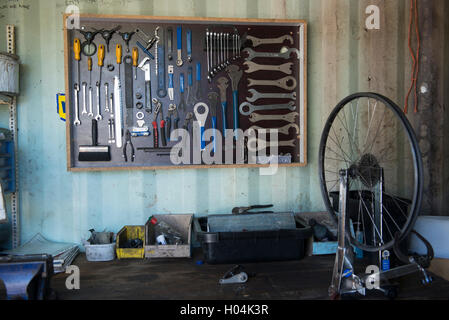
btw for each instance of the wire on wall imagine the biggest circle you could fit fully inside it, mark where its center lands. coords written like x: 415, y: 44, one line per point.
x: 415, y: 57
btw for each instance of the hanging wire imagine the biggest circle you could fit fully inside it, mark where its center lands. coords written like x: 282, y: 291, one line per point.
x: 415, y: 58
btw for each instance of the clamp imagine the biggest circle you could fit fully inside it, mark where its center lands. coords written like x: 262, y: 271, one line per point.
x: 128, y: 142
x: 235, y: 275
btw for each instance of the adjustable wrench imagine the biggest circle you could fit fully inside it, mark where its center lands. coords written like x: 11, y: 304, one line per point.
x: 258, y: 41
x: 284, y: 55
x: 281, y: 83
x: 98, y: 117
x: 84, y: 99
x: 284, y: 130
x: 179, y: 62
x: 262, y: 144
x: 289, y: 117
x: 246, y: 105
x: 222, y: 84
x: 77, y: 121
x: 255, y: 95
x: 253, y: 67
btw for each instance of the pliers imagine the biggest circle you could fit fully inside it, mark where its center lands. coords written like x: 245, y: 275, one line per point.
x: 128, y: 142
x: 245, y: 210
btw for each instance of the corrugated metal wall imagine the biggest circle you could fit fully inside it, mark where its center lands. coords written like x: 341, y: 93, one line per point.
x: 343, y: 56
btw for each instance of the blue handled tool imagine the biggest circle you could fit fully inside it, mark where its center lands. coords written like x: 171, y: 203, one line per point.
x: 148, y: 53
x: 189, y: 45
x: 160, y: 47
x: 171, y: 90
x: 222, y: 84
x: 179, y: 62
x: 235, y: 74
x: 201, y: 118
x: 198, y: 82
x: 190, y: 86
x: 213, y: 98
x: 182, y: 103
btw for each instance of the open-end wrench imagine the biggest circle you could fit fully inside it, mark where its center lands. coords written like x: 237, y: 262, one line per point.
x: 284, y: 130
x: 217, y: 50
x: 201, y: 117
x: 235, y: 74
x: 262, y: 144
x: 284, y: 55
x: 255, y: 95
x: 222, y: 84
x: 179, y: 61
x: 98, y: 117
x: 259, y: 41
x: 289, y: 117
x: 281, y: 83
x: 223, y: 64
x: 77, y: 121
x: 208, y: 56
x: 106, y: 97
x: 91, y: 113
x: 246, y: 105
x: 253, y: 67
x: 84, y: 99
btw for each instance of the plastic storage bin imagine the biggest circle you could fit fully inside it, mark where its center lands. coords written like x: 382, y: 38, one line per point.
x: 99, y: 252
x: 181, y: 223
x: 128, y: 233
x: 254, y: 246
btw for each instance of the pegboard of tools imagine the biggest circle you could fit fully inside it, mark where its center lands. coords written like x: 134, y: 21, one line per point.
x: 170, y: 92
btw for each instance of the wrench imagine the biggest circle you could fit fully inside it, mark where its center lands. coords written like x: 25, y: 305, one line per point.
x: 262, y: 144
x: 284, y: 130
x: 98, y: 117
x: 289, y: 117
x: 281, y: 83
x: 90, y: 114
x: 291, y: 106
x: 258, y: 41
x: 285, y: 55
x: 235, y: 74
x: 77, y: 121
x: 213, y: 98
x: 106, y: 97
x: 222, y: 84
x: 84, y: 99
x: 255, y: 95
x: 253, y: 67
x: 201, y: 119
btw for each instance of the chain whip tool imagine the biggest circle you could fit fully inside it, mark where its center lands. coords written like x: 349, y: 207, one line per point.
x: 235, y: 74
x: 201, y: 118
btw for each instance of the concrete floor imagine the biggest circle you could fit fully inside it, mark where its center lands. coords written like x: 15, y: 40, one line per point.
x: 184, y: 279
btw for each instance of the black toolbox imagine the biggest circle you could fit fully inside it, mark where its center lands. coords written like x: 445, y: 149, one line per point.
x: 254, y: 246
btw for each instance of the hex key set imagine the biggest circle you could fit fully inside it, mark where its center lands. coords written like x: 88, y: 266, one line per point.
x: 132, y: 81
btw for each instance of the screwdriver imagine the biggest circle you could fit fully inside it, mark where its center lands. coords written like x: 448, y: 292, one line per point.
x: 118, y: 53
x: 135, y: 61
x: 100, y: 59
x: 89, y: 67
x: 77, y: 51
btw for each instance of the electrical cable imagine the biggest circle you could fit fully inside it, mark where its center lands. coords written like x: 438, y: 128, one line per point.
x: 415, y: 58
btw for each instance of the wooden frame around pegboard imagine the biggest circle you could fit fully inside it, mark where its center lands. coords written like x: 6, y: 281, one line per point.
x: 97, y: 20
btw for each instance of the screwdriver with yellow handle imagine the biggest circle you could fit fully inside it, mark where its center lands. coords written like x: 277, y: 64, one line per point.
x: 135, y: 61
x: 118, y: 54
x: 101, y: 59
x: 89, y: 67
x: 77, y: 52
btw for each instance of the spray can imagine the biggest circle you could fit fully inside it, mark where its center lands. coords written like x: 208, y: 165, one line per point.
x: 385, y: 260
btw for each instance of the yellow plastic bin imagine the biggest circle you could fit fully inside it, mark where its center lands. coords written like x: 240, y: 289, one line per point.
x: 125, y: 234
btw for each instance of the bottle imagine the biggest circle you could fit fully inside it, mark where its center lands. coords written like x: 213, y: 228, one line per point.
x: 164, y: 234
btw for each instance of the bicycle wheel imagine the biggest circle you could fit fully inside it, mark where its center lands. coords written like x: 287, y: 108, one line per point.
x: 368, y: 134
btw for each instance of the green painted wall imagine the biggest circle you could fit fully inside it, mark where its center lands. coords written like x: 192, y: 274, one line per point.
x: 343, y: 58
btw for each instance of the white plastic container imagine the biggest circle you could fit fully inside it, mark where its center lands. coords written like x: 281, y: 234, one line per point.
x: 436, y: 231
x: 100, y: 252
x: 9, y: 74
